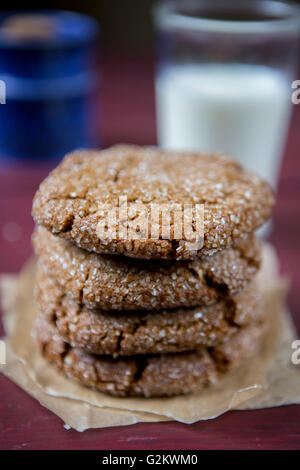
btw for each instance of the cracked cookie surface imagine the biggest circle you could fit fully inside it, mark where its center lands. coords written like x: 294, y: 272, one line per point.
x: 236, y: 202
x: 144, y: 332
x: 120, y: 283
x: 149, y: 375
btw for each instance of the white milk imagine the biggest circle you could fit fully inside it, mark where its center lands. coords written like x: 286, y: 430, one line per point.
x: 240, y: 110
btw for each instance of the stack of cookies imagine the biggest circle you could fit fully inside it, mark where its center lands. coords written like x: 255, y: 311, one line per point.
x: 131, y: 314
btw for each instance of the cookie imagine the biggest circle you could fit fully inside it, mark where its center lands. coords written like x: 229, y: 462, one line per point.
x: 120, y: 283
x: 148, y: 375
x: 144, y: 332
x: 71, y: 202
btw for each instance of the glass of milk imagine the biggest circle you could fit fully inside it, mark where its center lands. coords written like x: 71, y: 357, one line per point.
x: 224, y: 78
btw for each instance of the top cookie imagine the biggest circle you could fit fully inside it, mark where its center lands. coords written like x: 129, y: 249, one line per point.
x: 124, y: 200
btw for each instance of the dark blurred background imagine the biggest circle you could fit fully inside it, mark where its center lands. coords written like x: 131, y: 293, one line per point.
x: 126, y: 47
x: 125, y: 24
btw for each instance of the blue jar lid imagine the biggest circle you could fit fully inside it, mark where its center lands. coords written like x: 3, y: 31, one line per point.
x: 45, y: 44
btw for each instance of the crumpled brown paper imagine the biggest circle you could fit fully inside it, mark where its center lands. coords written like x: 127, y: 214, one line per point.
x: 269, y: 379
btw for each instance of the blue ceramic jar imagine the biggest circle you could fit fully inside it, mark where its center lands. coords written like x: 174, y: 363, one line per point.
x: 47, y: 62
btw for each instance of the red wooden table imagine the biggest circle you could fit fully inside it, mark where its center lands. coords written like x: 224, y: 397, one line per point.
x: 128, y: 115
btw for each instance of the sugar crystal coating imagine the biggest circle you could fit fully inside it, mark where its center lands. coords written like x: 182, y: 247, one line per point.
x: 144, y: 332
x: 120, y: 283
x: 148, y: 375
x: 236, y: 202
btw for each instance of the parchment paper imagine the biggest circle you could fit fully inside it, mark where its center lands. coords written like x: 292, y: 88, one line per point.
x: 269, y: 379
